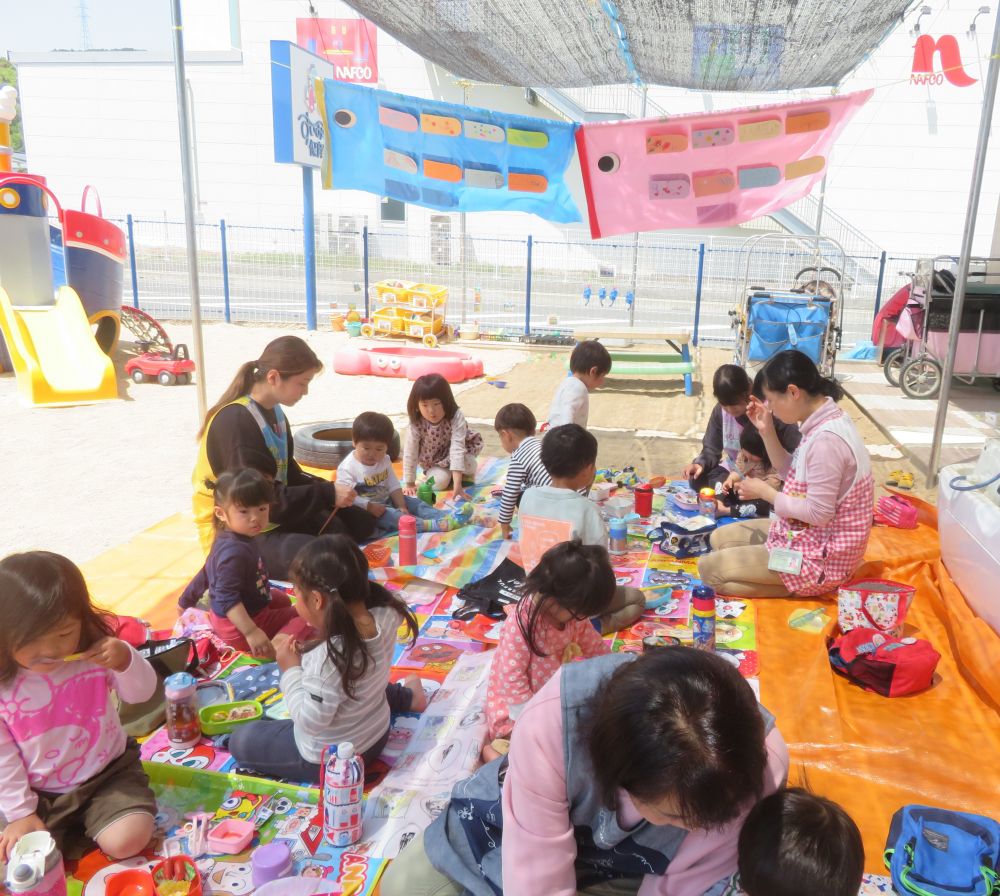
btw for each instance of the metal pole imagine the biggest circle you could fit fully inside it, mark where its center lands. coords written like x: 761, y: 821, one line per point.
x: 309, y: 241
x: 989, y: 100
x: 635, y: 239
x: 131, y: 262
x: 189, y: 209
x: 819, y: 222
x: 527, y: 289
x: 881, y: 281
x: 364, y: 243
x: 225, y: 268
x: 465, y: 85
x: 697, y: 292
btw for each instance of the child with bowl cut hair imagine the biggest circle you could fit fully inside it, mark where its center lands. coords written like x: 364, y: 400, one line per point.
x: 589, y: 366
x: 368, y: 471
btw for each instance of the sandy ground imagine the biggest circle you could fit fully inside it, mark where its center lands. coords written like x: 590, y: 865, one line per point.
x: 83, y: 479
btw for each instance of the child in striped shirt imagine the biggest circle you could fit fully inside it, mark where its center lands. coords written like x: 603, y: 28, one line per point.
x: 516, y: 426
x: 336, y: 688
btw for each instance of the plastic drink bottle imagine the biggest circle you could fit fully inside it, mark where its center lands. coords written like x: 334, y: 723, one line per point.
x: 706, y: 502
x: 703, y: 617
x: 36, y: 866
x: 183, y: 726
x: 343, y: 787
x: 643, y: 499
x: 407, y: 540
x: 617, y: 537
x: 426, y: 491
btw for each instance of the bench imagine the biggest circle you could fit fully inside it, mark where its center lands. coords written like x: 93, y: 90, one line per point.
x: 648, y: 362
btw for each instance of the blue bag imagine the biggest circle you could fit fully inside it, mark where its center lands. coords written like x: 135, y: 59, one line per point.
x: 778, y: 323
x: 936, y: 852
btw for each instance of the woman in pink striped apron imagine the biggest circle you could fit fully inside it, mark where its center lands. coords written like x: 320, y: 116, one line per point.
x: 822, y: 518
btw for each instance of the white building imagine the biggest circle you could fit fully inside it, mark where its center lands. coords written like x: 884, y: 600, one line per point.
x: 900, y: 172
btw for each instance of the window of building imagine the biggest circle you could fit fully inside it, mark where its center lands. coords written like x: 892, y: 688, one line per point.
x: 392, y: 210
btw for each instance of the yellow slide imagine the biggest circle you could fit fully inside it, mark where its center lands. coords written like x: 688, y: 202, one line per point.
x: 55, y: 356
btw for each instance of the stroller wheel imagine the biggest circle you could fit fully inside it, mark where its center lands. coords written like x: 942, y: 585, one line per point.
x: 921, y: 378
x: 892, y: 366
x: 996, y: 383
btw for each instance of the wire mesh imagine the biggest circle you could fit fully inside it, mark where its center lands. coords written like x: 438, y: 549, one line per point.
x: 267, y: 275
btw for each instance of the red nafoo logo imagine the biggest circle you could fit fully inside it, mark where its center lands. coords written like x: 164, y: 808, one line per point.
x: 952, y: 69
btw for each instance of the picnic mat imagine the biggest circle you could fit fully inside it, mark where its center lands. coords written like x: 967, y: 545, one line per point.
x: 869, y: 753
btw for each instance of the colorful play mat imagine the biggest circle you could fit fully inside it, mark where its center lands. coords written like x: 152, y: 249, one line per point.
x: 869, y: 753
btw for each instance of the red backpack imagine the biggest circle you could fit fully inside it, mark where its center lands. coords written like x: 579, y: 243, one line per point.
x: 877, y: 662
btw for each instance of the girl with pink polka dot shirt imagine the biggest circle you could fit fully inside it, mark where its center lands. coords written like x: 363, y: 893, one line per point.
x: 550, y: 626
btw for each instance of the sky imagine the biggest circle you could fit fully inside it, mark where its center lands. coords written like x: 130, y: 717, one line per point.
x: 37, y: 25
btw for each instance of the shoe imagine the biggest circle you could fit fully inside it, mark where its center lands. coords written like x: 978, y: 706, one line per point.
x: 905, y: 481
x: 893, y: 477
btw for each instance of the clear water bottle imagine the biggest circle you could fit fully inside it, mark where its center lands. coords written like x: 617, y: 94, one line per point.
x: 183, y: 725
x: 343, y: 789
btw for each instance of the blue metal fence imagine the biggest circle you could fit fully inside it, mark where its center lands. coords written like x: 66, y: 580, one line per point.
x: 509, y: 285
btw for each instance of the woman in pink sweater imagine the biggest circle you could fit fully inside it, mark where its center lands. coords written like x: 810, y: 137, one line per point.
x: 823, y: 517
x: 626, y: 774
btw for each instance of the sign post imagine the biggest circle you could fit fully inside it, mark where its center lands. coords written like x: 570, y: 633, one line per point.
x: 300, y: 138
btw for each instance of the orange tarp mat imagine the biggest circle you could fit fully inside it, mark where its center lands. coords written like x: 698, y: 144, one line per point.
x: 144, y: 576
x: 873, y: 754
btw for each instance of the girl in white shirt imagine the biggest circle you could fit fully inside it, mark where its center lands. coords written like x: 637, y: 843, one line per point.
x: 336, y: 688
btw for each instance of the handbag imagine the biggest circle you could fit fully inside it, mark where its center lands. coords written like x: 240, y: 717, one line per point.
x: 937, y: 852
x: 883, y: 664
x: 874, y: 603
x: 895, y: 510
x: 166, y: 658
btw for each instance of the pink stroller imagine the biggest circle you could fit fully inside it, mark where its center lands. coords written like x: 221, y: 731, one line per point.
x: 926, y: 326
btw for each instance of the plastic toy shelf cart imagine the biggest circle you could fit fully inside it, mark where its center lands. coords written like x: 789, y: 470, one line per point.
x: 408, y: 310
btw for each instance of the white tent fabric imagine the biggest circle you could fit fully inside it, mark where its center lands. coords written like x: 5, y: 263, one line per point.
x: 744, y: 45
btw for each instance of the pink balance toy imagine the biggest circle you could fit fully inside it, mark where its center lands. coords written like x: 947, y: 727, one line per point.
x: 407, y: 361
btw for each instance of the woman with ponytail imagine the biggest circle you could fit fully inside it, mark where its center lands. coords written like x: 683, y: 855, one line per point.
x: 337, y: 687
x: 247, y: 427
x: 823, y: 516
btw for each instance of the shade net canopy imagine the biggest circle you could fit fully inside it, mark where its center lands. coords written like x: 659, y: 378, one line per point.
x: 745, y: 45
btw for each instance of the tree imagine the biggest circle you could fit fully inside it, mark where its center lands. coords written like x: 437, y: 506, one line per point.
x: 8, y: 75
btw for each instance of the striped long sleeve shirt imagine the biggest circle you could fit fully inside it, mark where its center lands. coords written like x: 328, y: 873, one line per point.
x: 526, y: 470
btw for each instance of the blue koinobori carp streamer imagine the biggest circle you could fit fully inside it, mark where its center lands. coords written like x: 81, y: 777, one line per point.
x: 445, y: 155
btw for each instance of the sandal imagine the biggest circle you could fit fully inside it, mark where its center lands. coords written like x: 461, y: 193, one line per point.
x: 905, y: 481
x: 894, y: 477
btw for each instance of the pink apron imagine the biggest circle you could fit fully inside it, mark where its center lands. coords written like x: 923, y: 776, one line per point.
x: 831, y: 553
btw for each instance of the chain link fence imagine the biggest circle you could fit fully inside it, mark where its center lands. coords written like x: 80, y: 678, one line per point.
x: 257, y: 274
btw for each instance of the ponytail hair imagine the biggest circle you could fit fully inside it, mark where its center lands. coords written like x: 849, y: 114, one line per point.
x: 793, y: 368
x: 335, y: 566
x: 289, y: 355
x: 571, y: 575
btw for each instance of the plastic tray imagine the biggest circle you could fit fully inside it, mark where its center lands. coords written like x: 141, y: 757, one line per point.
x: 230, y: 836
x: 217, y: 719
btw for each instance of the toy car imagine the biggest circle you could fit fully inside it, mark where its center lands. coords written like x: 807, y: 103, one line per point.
x: 166, y: 368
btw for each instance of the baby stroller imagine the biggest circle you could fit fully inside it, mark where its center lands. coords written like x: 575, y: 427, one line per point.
x: 926, y: 326
x: 807, y: 316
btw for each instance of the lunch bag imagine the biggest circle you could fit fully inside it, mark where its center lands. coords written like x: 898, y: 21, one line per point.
x: 883, y: 664
x: 874, y: 603
x: 937, y: 852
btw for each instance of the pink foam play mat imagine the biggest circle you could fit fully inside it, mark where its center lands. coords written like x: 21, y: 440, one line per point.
x: 406, y: 361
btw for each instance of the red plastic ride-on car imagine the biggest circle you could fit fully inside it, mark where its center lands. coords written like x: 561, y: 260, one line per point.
x: 166, y: 368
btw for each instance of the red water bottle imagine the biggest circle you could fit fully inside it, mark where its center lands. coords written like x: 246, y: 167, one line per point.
x: 407, y: 540
x: 643, y: 499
